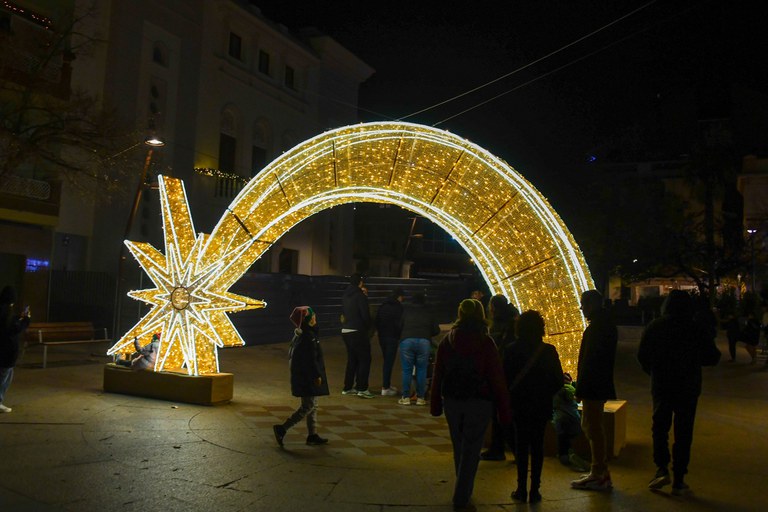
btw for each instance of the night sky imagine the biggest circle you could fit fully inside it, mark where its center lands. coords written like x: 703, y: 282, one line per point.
x: 641, y: 83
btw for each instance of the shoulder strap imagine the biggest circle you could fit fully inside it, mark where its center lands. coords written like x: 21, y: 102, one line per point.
x: 520, y: 376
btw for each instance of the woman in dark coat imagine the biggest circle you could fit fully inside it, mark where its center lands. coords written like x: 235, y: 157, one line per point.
x: 468, y: 382
x: 11, y: 327
x: 308, y: 380
x: 534, y: 375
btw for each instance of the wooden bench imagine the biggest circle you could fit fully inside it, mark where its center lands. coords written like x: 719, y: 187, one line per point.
x: 63, y: 333
x: 615, y: 423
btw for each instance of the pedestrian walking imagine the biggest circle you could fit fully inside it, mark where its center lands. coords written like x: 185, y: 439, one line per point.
x: 594, y: 386
x: 534, y: 374
x: 389, y: 325
x: 308, y: 378
x: 11, y: 328
x: 468, y: 383
x: 672, y: 350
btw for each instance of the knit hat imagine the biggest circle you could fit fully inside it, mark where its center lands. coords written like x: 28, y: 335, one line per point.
x: 300, y: 314
x: 8, y: 295
x: 567, y: 379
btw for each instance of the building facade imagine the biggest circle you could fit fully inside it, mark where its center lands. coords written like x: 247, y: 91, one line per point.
x: 227, y: 91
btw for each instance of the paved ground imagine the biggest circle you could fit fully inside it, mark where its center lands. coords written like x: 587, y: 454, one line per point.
x: 67, y: 445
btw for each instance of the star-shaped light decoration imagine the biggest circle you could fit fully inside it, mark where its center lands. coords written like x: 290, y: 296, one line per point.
x: 190, y: 301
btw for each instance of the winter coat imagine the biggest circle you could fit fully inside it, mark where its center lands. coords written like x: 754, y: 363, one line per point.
x: 597, y: 356
x: 482, y: 350
x: 389, y: 319
x: 307, y: 364
x: 672, y: 351
x: 531, y: 398
x: 10, y: 331
x: 357, y: 315
x: 419, y: 322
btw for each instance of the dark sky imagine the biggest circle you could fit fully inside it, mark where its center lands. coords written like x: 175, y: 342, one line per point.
x: 643, y: 81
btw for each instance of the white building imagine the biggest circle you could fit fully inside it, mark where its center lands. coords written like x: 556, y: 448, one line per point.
x: 227, y: 91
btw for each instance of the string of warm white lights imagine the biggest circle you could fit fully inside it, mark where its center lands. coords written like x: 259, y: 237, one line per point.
x: 518, y: 242
x: 189, y: 302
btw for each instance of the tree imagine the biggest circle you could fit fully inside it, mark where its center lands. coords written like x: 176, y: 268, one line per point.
x: 47, y: 129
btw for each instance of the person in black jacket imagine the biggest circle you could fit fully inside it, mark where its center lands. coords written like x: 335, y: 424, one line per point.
x: 389, y: 324
x: 534, y: 374
x: 11, y: 327
x: 594, y: 386
x: 672, y: 350
x: 308, y: 379
x: 501, y: 327
x: 355, y: 326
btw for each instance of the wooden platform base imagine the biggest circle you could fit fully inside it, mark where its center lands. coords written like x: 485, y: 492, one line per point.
x: 172, y: 386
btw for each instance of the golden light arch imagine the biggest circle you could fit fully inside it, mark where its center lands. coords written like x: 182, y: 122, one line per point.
x: 521, y: 246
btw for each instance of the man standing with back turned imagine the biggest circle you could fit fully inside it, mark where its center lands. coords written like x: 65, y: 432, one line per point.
x: 594, y: 386
x: 355, y: 327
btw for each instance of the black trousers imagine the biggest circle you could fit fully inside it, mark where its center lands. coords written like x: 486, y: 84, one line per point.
x: 358, y: 360
x: 529, y: 440
x: 680, y: 411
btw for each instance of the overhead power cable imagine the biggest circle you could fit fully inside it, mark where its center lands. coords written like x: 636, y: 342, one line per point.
x: 582, y: 38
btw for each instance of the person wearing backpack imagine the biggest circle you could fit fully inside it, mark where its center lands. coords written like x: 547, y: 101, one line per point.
x: 534, y: 374
x: 468, y: 384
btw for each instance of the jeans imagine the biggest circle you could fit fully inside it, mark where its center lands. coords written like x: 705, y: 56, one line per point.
x: 388, y: 353
x: 6, y: 376
x: 683, y: 409
x: 414, y: 352
x: 592, y: 424
x: 358, y: 360
x: 307, y: 409
x: 467, y: 423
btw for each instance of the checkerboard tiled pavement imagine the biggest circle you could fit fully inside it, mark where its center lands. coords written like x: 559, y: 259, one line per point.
x: 362, y: 427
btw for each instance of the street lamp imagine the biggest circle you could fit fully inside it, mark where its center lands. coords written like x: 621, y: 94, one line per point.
x: 752, y: 232
x: 152, y: 142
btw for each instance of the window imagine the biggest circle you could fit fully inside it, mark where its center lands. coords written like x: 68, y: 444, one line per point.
x: 160, y: 54
x: 263, y: 62
x: 289, y: 77
x: 288, y: 261
x: 227, y: 148
x: 235, y: 46
x: 258, y: 159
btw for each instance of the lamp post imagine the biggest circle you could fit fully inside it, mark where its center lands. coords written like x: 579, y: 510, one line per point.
x: 151, y: 142
x: 752, y: 232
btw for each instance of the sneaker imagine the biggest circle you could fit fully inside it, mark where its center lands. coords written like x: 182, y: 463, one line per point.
x: 681, y: 489
x: 489, y: 455
x: 388, y: 391
x: 4, y: 408
x: 592, y: 482
x: 316, y: 440
x: 660, y: 479
x: 520, y: 496
x: 352, y: 391
x: 404, y: 401
x: 279, y: 431
x: 421, y: 401
x: 365, y: 394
